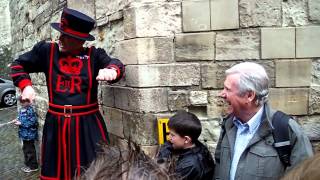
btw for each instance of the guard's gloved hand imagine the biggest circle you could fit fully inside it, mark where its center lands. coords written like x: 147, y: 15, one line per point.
x: 107, y: 74
x: 28, y: 93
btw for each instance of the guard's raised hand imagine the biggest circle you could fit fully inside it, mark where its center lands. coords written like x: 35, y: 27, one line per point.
x: 107, y: 74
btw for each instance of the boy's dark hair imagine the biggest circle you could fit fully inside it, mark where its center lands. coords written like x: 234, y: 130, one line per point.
x: 185, y: 124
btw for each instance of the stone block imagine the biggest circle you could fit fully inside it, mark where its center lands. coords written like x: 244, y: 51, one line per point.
x: 106, y: 95
x: 107, y: 7
x: 152, y: 19
x: 198, y: 98
x: 216, y: 107
x: 85, y: 6
x: 314, y: 10
x: 292, y: 101
x: 293, y: 73
x: 224, y: 14
x: 163, y: 75
x: 140, y: 128
x: 277, y: 43
x: 114, y: 122
x: 209, y: 75
x: 178, y: 100
x: 195, y: 46
x: 107, y: 38
x: 237, y: 45
x: 146, y: 50
x: 210, y: 131
x: 141, y: 100
x: 254, y: 13
x: 310, y: 126
x: 314, y: 100
x: 315, y: 72
x: 307, y: 42
x: 195, y: 15
x: 295, y: 13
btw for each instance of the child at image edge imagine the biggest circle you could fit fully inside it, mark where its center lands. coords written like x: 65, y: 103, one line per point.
x: 28, y: 132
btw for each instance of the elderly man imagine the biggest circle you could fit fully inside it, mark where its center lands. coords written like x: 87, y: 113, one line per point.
x: 247, y: 148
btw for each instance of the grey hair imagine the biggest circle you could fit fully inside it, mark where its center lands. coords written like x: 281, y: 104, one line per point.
x: 253, y: 77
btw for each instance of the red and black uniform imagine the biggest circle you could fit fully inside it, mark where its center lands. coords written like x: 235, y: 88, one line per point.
x: 73, y: 125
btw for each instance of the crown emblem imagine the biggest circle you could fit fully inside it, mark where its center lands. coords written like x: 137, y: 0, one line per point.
x: 70, y: 65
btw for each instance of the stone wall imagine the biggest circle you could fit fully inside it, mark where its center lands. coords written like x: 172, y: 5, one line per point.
x: 5, y: 38
x: 176, y: 53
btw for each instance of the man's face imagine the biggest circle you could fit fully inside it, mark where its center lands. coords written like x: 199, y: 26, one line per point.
x: 230, y: 94
x: 69, y: 44
x: 178, y: 142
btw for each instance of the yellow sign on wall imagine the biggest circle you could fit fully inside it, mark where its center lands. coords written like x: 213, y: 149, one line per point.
x: 163, y: 130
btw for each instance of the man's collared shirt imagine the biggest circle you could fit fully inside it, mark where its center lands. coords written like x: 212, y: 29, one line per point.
x: 245, y: 133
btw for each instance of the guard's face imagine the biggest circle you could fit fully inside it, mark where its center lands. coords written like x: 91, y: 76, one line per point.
x: 69, y: 44
x: 230, y: 94
x: 178, y: 142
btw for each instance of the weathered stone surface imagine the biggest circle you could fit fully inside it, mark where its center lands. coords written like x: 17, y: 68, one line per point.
x: 197, y: 98
x: 293, y: 101
x: 163, y: 75
x: 314, y: 10
x: 307, y: 41
x: 5, y: 25
x: 113, y: 118
x: 29, y: 41
x: 216, y: 107
x: 152, y: 19
x: 282, y: 38
x: 195, y: 46
x: 107, y: 95
x: 210, y: 131
x: 107, y: 7
x: 146, y: 50
x: 294, y: 13
x: 141, y: 100
x: 85, y: 6
x: 314, y: 100
x: 38, y: 79
x: 140, y: 128
x: 224, y: 14
x: 209, y: 75
x: 255, y: 13
x: 236, y: 45
x: 108, y: 37
x: 293, y: 73
x: 311, y: 126
x: 315, y: 72
x: 178, y: 100
x: 195, y: 15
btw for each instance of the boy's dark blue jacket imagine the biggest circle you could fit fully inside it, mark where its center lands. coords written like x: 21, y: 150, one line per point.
x: 192, y: 164
x: 28, y: 130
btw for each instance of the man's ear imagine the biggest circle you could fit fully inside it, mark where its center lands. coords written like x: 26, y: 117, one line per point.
x: 187, y: 139
x: 251, y: 95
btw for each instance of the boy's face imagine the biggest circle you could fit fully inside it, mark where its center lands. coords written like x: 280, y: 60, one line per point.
x: 178, y: 142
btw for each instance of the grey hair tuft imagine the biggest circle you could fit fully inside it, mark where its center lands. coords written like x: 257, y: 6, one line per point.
x: 253, y: 77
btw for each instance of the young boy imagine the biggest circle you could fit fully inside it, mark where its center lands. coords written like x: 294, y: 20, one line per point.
x: 28, y: 132
x: 193, y: 160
